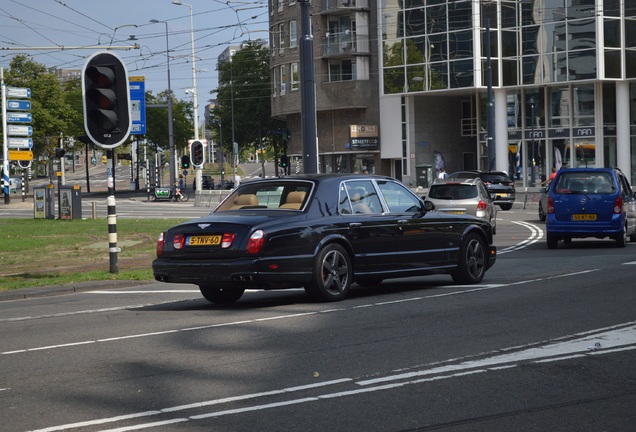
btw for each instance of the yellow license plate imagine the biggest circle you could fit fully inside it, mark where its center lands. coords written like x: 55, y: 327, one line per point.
x: 212, y: 240
x: 456, y: 212
x: 583, y: 217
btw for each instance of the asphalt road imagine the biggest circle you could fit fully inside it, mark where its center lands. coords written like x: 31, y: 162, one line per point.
x: 547, y: 342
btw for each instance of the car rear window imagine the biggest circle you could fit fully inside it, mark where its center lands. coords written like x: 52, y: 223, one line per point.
x: 453, y: 191
x: 583, y: 182
x: 284, y: 195
x: 495, y: 178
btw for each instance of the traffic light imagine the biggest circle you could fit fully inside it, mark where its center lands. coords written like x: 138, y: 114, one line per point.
x: 59, y: 152
x: 185, y: 161
x: 284, y: 161
x: 197, y: 153
x: 106, y: 96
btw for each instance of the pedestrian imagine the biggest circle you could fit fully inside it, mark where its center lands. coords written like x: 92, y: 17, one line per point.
x: 442, y: 174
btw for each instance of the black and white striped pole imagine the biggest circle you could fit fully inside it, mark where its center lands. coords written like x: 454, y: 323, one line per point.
x: 113, y: 250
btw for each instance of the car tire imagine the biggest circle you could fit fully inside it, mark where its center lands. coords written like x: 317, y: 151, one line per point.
x: 221, y: 295
x: 553, y: 242
x: 542, y: 215
x: 621, y: 239
x: 505, y: 206
x: 332, y: 275
x: 471, y: 267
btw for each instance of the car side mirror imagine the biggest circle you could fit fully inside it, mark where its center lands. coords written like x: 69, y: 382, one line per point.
x: 429, y: 206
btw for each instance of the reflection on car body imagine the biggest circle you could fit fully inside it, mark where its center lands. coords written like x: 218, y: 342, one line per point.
x: 322, y: 232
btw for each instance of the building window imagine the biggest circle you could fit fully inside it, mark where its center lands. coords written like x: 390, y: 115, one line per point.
x: 293, y: 34
x: 342, y: 70
x: 275, y: 82
x: 295, y: 77
x: 281, y: 36
x: 283, y: 79
x: 281, y: 3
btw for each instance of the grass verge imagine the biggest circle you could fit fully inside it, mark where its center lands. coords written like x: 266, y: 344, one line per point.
x: 39, y: 252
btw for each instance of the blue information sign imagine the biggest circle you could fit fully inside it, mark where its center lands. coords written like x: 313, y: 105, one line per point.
x: 137, y: 105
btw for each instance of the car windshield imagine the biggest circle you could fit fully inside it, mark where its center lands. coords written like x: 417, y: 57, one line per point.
x: 284, y: 195
x: 584, y: 182
x: 453, y: 191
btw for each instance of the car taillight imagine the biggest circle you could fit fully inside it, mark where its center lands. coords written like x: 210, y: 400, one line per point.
x: 550, y: 205
x: 618, y: 205
x: 482, y: 205
x: 160, y: 243
x: 178, y: 241
x: 256, y: 241
x: 227, y: 239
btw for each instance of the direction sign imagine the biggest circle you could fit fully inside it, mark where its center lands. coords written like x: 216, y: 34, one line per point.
x: 18, y: 92
x: 17, y: 155
x: 19, y: 117
x: 20, y: 143
x: 25, y: 131
x: 23, y: 105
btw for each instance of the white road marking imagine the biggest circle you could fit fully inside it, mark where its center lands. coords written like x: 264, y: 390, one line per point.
x: 604, y: 341
x: 536, y: 234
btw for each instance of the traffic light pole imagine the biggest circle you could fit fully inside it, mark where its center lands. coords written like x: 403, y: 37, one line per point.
x: 112, y: 214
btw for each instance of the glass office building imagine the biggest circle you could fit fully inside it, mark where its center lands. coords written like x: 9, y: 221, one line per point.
x: 562, y: 92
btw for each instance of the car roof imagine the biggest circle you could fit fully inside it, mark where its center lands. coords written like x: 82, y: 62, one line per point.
x: 458, y: 181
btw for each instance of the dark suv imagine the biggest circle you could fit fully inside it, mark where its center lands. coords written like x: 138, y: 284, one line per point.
x: 498, y: 183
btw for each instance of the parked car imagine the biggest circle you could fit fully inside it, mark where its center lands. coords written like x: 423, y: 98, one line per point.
x: 321, y: 232
x: 590, y: 202
x: 463, y: 196
x: 499, y: 184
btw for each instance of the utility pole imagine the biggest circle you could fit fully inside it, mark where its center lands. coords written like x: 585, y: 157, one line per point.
x: 308, y: 92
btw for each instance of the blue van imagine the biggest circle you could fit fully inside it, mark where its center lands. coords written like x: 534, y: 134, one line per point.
x: 590, y: 202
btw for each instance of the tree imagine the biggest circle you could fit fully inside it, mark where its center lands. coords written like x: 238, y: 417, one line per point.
x: 244, y: 94
x: 157, y: 124
x: 52, y: 114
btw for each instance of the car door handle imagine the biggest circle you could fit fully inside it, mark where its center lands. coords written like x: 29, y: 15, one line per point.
x: 402, y: 221
x: 355, y: 224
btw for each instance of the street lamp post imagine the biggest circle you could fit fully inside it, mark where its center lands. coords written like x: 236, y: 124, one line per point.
x: 173, y: 166
x: 532, y: 174
x: 194, y: 72
x: 195, y: 102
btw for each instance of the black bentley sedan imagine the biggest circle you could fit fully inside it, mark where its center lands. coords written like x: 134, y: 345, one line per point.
x: 322, y: 232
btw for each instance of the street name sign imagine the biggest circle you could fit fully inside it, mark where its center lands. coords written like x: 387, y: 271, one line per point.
x: 23, y: 105
x: 24, y: 131
x: 20, y: 143
x: 19, y: 117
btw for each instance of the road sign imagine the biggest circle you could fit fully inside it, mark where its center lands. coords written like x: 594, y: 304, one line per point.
x: 26, y: 131
x: 17, y: 155
x: 18, y: 92
x: 137, y: 86
x: 20, y: 143
x: 19, y: 117
x: 23, y: 105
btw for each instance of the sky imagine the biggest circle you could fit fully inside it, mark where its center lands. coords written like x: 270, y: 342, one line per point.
x: 58, y: 26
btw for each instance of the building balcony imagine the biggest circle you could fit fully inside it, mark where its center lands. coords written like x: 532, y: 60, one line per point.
x: 345, y: 6
x: 344, y: 45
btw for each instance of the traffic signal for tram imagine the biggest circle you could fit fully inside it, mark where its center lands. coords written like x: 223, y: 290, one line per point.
x: 185, y: 161
x: 197, y: 153
x: 284, y: 161
x: 106, y: 95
